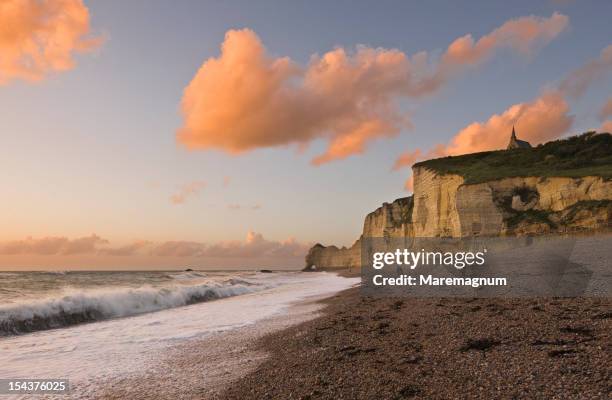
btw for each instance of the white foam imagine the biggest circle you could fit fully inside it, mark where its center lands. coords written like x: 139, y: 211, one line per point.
x: 91, y: 353
x: 110, y: 303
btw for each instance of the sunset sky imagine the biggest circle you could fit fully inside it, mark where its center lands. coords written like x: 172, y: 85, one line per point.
x: 158, y: 134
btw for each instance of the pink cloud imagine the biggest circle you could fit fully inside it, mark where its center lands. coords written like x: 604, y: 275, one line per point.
x: 604, y: 114
x: 254, y: 246
x: 538, y: 121
x: 246, y: 99
x: 577, y: 82
x: 523, y: 34
x: 409, y: 184
x: 407, y: 159
x: 606, y: 110
x: 178, y: 249
x: 127, y: 250
x: 53, y: 245
x: 543, y: 119
x: 188, y: 190
x: 40, y: 37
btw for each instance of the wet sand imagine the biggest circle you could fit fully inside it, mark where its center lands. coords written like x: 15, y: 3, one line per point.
x: 390, y: 348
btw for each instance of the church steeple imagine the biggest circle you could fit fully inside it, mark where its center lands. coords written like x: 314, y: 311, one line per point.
x: 517, y: 143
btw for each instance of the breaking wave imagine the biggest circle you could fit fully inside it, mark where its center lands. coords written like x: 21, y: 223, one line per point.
x: 95, y: 305
x: 187, y: 275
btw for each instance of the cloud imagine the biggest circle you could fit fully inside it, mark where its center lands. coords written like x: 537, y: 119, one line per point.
x: 127, y: 250
x: 186, y: 191
x: 407, y: 159
x: 255, y: 245
x: 246, y: 99
x: 409, y: 184
x: 178, y: 249
x: 226, y: 181
x: 578, y: 81
x: 606, y: 110
x: 53, y: 245
x: 40, y: 37
x: 604, y: 114
x: 523, y: 34
x: 541, y: 120
x: 538, y: 121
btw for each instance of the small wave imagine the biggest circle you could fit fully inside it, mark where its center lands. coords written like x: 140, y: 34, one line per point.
x: 89, y: 306
x: 187, y: 275
x: 237, y: 281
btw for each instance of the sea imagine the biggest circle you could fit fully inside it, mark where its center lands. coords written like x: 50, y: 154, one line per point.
x: 95, y: 326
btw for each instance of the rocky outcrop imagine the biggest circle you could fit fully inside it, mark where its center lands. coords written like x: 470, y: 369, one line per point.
x: 389, y: 220
x: 444, y: 206
x: 321, y: 257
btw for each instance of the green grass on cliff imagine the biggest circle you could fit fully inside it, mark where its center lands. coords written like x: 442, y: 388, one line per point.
x: 589, y: 154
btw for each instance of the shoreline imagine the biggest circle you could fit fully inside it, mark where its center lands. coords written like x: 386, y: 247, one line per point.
x: 181, y: 352
x: 437, y: 348
x: 345, y: 345
x: 205, y: 367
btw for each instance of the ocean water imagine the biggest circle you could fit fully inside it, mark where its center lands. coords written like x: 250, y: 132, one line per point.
x: 96, y: 326
x: 35, y: 301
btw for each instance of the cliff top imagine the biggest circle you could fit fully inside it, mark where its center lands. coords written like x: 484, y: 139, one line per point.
x: 589, y: 154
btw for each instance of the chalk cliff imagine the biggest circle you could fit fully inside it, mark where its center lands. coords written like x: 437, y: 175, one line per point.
x: 446, y: 205
x: 389, y: 220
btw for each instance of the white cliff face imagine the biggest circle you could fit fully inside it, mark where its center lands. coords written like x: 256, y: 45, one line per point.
x: 444, y: 206
x: 435, y: 204
x: 477, y: 213
x: 321, y: 257
x: 557, y: 194
x: 390, y: 220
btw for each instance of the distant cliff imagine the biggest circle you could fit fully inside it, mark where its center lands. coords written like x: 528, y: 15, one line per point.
x: 389, y: 220
x: 562, y: 186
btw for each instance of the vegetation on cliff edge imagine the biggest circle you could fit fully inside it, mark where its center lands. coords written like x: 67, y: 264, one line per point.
x: 589, y: 154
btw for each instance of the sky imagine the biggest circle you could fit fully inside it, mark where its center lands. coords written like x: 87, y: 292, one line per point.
x: 209, y: 134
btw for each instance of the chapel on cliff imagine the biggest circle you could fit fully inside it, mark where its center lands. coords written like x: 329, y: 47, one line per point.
x: 517, y: 143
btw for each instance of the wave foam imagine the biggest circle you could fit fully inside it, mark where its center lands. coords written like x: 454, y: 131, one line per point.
x: 187, y: 275
x: 94, y: 305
